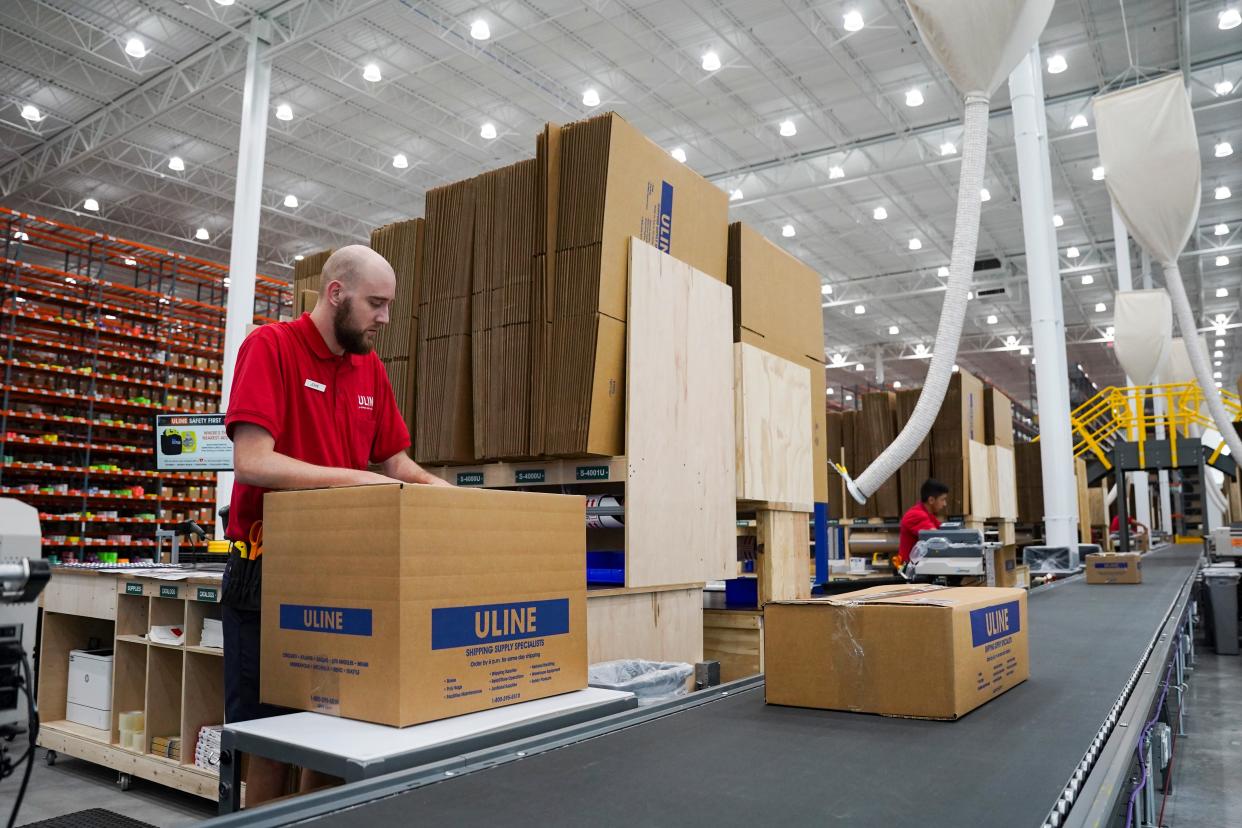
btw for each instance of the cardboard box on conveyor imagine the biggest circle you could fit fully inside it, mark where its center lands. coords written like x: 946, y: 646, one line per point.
x: 1114, y: 568
x: 401, y: 604
x: 916, y: 651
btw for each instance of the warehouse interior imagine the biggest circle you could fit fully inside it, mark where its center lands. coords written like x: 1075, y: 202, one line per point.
x: 629, y: 412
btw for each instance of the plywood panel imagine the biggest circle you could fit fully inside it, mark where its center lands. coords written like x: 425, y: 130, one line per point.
x: 784, y: 542
x: 658, y: 626
x: 1084, y: 500
x: 980, y: 488
x: 774, y: 443
x: 1004, y: 488
x: 735, y: 639
x: 680, y: 506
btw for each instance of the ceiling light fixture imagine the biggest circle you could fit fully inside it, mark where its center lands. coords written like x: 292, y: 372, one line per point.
x: 1100, y: 307
x: 1057, y: 221
x: 826, y: 290
x: 1229, y: 19
x: 1024, y: 351
x: 1072, y: 253
x: 1218, y: 354
x: 1087, y: 279
x: 400, y: 161
x: 788, y: 129
x: 788, y: 231
x: 1057, y: 64
x: 488, y: 131
x: 31, y: 113
x: 679, y: 154
x: 915, y: 244
x: 955, y: 368
x: 1221, y: 293
x: 830, y: 392
x: 1216, y: 375
x: 896, y: 383
x: 859, y: 367
x: 948, y: 148
x: 1110, y: 331
x: 176, y: 164
x: 224, y: 2
x: 371, y: 73
x: 1222, y: 192
x: 1222, y: 261
x: 1223, y: 149
x: 711, y: 61
x: 1078, y: 121
x: 879, y: 214
x: 297, y: 257
x: 735, y: 195
x: 992, y: 320
x: 1217, y: 363
x: 291, y: 201
x: 943, y: 272
x: 91, y: 204
x: 131, y: 262
x: 852, y: 21
x: 1223, y: 87
x: 479, y: 30
x: 914, y: 98
x: 859, y: 310
x: 984, y: 194
x: 201, y: 234
x: 284, y: 112
x: 135, y: 48
x: 1220, y: 343
x: 836, y: 172
x: 1221, y: 230
x: 590, y: 98
x: 1097, y: 173
x: 893, y: 330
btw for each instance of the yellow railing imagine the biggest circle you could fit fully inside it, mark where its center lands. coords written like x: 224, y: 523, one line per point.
x: 1124, y: 412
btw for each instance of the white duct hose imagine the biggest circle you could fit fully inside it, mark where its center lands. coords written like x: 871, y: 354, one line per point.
x: 1199, y: 359
x: 1214, y: 494
x: 952, y: 315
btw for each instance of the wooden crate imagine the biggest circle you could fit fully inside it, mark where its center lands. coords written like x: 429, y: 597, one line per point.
x: 735, y: 639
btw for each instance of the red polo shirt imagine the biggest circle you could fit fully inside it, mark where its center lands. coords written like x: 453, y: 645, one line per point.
x: 322, y: 408
x: 912, y: 522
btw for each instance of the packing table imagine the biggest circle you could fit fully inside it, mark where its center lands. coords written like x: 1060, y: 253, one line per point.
x: 1070, y: 733
x: 354, y: 750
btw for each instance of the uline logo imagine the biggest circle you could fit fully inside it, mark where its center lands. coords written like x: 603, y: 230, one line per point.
x: 997, y: 621
x: 337, y: 620
x: 488, y: 623
x: 453, y: 627
x: 366, y: 402
x: 665, y: 240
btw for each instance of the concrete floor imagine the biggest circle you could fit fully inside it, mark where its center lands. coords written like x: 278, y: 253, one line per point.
x: 1207, y: 792
x: 72, y: 785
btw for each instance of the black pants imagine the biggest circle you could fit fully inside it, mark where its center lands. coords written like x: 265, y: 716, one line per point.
x: 242, y: 632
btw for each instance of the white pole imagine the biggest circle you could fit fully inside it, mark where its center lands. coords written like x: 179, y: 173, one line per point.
x: 1121, y: 245
x: 247, y: 198
x: 879, y: 367
x: 1047, y: 320
x: 1162, y: 476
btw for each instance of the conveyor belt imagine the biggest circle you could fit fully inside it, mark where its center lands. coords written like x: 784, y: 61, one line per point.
x: 738, y: 761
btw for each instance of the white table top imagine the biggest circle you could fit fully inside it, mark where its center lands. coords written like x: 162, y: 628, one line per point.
x: 364, y: 742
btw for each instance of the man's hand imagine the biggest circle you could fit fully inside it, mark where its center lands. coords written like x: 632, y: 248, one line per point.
x: 401, y: 467
x: 257, y: 463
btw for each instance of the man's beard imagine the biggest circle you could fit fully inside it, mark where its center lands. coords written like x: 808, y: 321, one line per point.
x: 352, y: 340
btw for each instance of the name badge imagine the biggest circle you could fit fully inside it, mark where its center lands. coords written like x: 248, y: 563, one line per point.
x: 316, y: 386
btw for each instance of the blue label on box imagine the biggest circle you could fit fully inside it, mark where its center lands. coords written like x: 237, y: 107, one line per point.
x: 666, y: 217
x: 997, y: 621
x: 453, y: 627
x: 338, y: 620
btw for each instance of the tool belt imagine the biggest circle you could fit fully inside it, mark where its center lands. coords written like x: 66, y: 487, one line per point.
x: 243, y: 576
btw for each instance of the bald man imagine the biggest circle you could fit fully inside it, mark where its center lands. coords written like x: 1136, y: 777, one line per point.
x: 311, y: 406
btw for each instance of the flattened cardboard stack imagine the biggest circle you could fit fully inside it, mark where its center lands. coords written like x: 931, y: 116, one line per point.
x: 876, y: 429
x: 547, y: 193
x: 776, y: 307
x: 917, y: 469
x: 306, y: 275
x: 503, y: 330
x: 997, y: 418
x: 614, y: 183
x: 401, y: 244
x: 959, y: 422
x: 445, y: 431
x: 1029, y: 476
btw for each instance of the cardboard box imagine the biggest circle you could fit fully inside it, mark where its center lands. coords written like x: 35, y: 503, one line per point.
x: 1115, y: 568
x: 1022, y: 577
x: 1000, y: 570
x: 997, y: 419
x: 918, y: 651
x: 401, y: 604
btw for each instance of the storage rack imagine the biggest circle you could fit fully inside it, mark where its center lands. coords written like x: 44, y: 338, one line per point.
x: 99, y: 334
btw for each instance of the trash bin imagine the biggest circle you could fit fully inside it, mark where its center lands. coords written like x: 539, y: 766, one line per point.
x: 650, y: 681
x: 1222, y: 586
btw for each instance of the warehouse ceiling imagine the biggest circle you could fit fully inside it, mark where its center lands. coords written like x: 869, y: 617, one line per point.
x: 111, y: 115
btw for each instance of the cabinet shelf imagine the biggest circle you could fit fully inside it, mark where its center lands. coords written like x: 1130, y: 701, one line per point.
x: 61, y: 370
x: 77, y: 495
x: 71, y: 445
x: 61, y: 418
x: 108, y: 403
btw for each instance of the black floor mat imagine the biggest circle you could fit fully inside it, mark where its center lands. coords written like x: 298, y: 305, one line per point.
x: 93, y: 818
